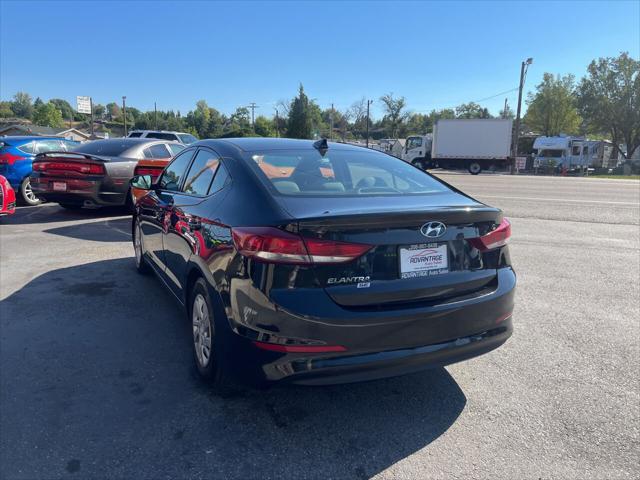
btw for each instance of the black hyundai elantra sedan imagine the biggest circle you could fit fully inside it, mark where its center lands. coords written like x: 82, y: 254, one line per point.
x: 319, y: 263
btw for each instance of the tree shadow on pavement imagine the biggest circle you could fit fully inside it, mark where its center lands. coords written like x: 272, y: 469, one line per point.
x: 111, y: 230
x: 53, y: 213
x: 97, y: 380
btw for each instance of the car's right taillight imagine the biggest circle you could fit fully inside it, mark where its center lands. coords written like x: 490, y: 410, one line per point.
x: 153, y: 171
x: 498, y: 237
x: 8, y: 158
x: 273, y: 245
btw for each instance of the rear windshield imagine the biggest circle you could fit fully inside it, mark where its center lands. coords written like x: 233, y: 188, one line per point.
x: 340, y: 173
x: 135, y: 134
x: 109, y: 148
x: 162, y: 136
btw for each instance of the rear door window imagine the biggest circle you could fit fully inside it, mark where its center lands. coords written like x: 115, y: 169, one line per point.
x: 135, y: 134
x: 175, y: 148
x: 175, y: 172
x: 201, y: 173
x: 157, y: 151
x: 28, y: 148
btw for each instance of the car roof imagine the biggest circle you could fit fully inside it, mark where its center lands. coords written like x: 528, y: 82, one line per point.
x: 29, y: 138
x: 159, y: 131
x: 134, y: 140
x: 249, y: 144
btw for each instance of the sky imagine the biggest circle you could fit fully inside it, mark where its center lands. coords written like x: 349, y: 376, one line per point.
x: 435, y: 54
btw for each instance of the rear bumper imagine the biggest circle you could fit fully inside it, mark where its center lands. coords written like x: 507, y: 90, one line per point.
x: 378, y: 344
x: 372, y: 366
x: 79, y: 192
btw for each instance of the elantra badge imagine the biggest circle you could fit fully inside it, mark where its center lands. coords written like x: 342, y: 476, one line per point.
x: 433, y: 229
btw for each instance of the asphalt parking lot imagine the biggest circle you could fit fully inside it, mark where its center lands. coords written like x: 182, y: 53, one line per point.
x: 97, y: 378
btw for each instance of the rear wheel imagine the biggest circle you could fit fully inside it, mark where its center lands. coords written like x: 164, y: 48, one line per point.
x: 26, y: 192
x: 141, y: 264
x: 208, y: 349
x: 474, y: 168
x: 418, y: 163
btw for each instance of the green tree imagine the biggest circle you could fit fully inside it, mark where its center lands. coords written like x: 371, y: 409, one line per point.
x: 472, y: 110
x: 22, y: 105
x: 552, y: 108
x: 507, y: 113
x: 300, y: 122
x: 264, y: 127
x: 419, y: 124
x: 68, y: 113
x: 394, y: 114
x: 239, y: 124
x: 609, y: 100
x: 113, y: 110
x: 46, y: 114
x: 38, y: 102
x: 5, y: 110
x: 98, y: 109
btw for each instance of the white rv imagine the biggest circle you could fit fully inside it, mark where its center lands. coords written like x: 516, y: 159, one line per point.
x: 572, y: 152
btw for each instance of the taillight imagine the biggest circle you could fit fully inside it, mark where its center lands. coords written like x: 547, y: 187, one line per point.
x: 153, y: 171
x: 495, y: 238
x: 79, y: 167
x: 9, y: 158
x: 274, y: 245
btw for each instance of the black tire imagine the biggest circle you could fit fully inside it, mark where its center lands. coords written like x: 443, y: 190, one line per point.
x: 26, y: 193
x: 71, y: 206
x: 213, y: 367
x: 474, y: 168
x: 141, y: 263
x: 417, y: 162
x: 128, y: 204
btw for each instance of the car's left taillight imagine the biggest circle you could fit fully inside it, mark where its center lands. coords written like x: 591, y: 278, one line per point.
x: 273, y: 245
x: 496, y: 238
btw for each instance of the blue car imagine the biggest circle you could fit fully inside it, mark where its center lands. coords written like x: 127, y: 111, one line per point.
x: 16, y: 158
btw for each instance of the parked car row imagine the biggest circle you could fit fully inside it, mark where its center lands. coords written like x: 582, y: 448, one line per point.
x: 97, y: 174
x: 17, y: 154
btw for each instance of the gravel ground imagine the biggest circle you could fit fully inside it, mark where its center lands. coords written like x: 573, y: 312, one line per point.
x: 96, y: 377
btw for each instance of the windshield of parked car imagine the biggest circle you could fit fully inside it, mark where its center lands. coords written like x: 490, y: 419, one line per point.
x: 340, y: 173
x: 109, y: 148
x: 186, y: 138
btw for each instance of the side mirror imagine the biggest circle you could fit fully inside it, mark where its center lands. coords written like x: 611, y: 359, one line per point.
x: 143, y: 182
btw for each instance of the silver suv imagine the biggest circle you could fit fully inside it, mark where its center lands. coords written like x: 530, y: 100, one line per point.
x: 184, y: 138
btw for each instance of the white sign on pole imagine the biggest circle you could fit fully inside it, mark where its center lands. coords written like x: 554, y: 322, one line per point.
x: 521, y: 163
x: 84, y: 104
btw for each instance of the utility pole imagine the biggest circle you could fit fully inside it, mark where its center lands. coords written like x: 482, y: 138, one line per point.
x: 91, y: 106
x: 124, y: 114
x: 277, y: 124
x: 504, y: 111
x: 369, y: 102
x: 253, y: 106
x: 523, y: 71
x: 331, y: 124
x: 155, y: 114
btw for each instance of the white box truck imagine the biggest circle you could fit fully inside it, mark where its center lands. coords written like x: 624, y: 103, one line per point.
x: 475, y: 144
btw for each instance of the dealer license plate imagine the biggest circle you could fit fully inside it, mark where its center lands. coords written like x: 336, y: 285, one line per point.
x: 423, y: 260
x: 59, y: 186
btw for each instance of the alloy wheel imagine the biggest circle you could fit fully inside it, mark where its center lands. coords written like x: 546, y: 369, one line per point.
x: 201, y: 323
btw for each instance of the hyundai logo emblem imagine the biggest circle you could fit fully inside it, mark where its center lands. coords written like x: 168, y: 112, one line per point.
x: 433, y: 229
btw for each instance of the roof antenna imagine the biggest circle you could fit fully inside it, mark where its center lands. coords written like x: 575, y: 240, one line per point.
x: 321, y: 145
